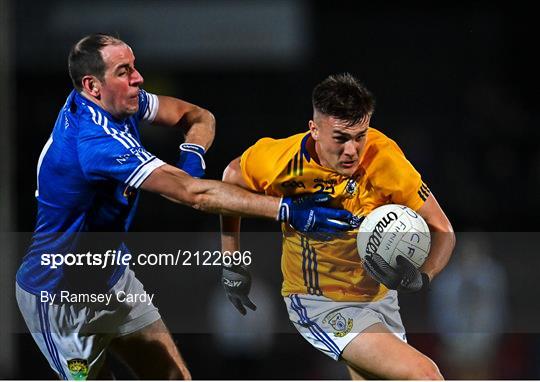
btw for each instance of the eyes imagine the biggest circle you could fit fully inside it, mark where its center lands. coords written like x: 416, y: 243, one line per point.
x: 343, y: 139
x: 125, y: 71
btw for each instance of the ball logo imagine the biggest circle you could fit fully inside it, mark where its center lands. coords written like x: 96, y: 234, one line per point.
x: 374, y: 240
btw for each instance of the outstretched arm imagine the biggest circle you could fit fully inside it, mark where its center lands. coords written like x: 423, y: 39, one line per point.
x: 307, y: 214
x: 209, y: 195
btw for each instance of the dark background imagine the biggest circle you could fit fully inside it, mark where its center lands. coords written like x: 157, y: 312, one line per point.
x: 454, y: 84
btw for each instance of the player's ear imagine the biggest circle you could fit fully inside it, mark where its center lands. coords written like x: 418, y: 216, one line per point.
x: 91, y: 85
x: 314, y: 130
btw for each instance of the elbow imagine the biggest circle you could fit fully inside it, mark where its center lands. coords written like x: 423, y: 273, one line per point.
x: 443, y: 228
x: 450, y: 232
x: 451, y: 237
x: 233, y: 173
x: 447, y: 231
x: 211, y: 119
x: 228, y: 174
x: 203, y: 118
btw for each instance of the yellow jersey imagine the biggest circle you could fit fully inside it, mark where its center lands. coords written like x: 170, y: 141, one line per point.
x: 284, y: 167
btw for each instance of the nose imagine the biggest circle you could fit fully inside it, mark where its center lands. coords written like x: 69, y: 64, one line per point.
x: 136, y: 78
x: 350, y: 148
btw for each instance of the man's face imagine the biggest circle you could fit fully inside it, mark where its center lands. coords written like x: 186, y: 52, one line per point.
x: 339, y: 146
x: 119, y: 92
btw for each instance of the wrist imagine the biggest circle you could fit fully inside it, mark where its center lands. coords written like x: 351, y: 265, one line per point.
x: 283, y: 211
x: 426, y: 281
x: 191, y: 159
x: 193, y: 146
x: 235, y: 267
x: 195, y: 149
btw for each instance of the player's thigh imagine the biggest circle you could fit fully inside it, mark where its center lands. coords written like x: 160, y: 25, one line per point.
x: 151, y: 353
x: 378, y: 352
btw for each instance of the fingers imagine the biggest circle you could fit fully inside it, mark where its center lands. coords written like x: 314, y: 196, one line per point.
x: 333, y: 220
x: 403, y: 262
x: 373, y: 269
x: 411, y: 279
x: 383, y: 272
x: 240, y: 302
x: 238, y: 305
x: 247, y: 302
x: 355, y: 221
x: 405, y: 267
x: 343, y: 215
x: 375, y: 275
x: 321, y: 197
x: 332, y: 225
x: 383, y: 265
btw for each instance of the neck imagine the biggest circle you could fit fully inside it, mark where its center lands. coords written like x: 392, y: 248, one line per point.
x: 93, y: 99
x: 313, y: 149
x: 100, y: 104
x: 317, y: 157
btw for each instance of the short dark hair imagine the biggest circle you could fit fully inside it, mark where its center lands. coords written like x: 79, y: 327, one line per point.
x: 342, y: 96
x: 85, y: 57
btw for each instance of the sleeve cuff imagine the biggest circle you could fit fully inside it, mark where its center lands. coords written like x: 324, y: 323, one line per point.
x: 151, y: 108
x: 139, y: 175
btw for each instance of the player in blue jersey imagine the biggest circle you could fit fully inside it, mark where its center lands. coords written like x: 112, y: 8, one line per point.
x: 88, y: 178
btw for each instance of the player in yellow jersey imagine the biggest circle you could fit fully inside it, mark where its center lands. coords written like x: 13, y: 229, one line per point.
x: 344, y: 308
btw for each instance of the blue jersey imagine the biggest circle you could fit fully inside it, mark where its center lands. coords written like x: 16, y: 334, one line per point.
x: 88, y: 176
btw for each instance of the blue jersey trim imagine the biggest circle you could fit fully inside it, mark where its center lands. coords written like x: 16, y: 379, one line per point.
x: 303, y: 147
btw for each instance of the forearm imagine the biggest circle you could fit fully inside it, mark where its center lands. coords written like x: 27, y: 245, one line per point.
x: 210, y: 195
x: 230, y: 233
x: 228, y: 199
x: 442, y: 246
x: 230, y: 225
x: 197, y: 124
x: 200, y: 127
x: 443, y: 238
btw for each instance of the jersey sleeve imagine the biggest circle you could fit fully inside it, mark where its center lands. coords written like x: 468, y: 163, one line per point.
x: 258, y: 164
x: 148, y: 106
x: 397, y: 178
x: 108, y: 154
